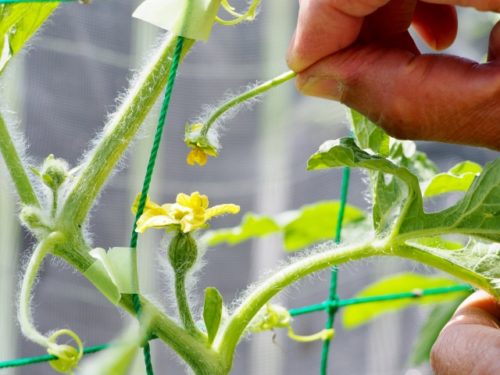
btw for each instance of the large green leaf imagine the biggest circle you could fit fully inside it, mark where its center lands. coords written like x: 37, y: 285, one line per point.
x: 395, y: 187
x: 457, y: 179
x: 300, y: 228
x: 436, y: 320
x: 316, y: 223
x: 369, y: 135
x: 356, y: 315
x: 476, y: 214
x: 18, y: 22
x: 252, y: 226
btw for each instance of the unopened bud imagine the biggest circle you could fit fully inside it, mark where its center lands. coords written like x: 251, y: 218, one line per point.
x: 182, y: 253
x: 54, y: 172
x: 32, y: 217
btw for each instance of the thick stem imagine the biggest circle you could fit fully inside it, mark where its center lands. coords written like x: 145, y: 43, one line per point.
x: 24, y: 313
x: 15, y: 167
x: 256, y: 91
x: 239, y: 320
x: 118, y: 134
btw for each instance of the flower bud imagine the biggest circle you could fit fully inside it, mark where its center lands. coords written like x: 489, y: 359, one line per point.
x: 32, y: 218
x: 54, y: 172
x: 182, y: 253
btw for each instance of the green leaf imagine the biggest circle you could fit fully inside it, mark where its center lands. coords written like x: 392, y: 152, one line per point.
x: 457, y: 179
x: 252, y: 226
x: 392, y: 198
x: 212, y: 312
x: 369, y: 135
x: 303, y: 227
x: 356, y: 315
x: 436, y: 320
x: 316, y: 223
x: 18, y: 23
x: 476, y: 214
x: 405, y: 154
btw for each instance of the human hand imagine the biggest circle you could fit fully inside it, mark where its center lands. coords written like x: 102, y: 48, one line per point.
x: 470, y: 343
x: 360, y: 53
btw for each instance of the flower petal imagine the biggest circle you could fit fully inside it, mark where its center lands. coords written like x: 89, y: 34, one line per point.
x: 154, y: 221
x: 221, y: 209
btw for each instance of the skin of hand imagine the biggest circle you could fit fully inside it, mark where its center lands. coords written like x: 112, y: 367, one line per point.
x: 360, y: 53
x: 470, y: 343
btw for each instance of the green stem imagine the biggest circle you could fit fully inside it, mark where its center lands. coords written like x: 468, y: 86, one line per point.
x: 24, y: 313
x: 118, y: 134
x: 55, y: 197
x: 239, y: 320
x: 202, y: 359
x: 256, y: 91
x: 183, y: 306
x: 15, y: 167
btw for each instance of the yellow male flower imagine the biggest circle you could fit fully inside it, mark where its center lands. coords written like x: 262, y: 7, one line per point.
x: 188, y: 213
x: 201, y: 145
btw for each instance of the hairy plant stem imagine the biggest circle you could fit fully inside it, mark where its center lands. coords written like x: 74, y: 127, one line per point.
x: 16, y: 168
x: 24, y: 311
x: 227, y: 341
x: 247, y: 95
x: 118, y: 134
x: 195, y: 352
x: 183, y: 307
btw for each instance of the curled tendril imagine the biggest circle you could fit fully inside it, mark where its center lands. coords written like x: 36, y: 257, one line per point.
x: 249, y: 15
x: 68, y: 356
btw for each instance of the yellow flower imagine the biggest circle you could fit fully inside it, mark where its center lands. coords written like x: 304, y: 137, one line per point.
x: 197, y: 156
x: 189, y: 213
x: 201, y: 145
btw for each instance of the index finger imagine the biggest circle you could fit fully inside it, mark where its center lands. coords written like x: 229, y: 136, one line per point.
x: 327, y: 26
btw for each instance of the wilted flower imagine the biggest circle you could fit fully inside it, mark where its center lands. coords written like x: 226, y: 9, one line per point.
x: 202, y: 145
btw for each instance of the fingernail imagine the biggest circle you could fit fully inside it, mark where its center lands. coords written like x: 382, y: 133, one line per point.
x: 321, y: 86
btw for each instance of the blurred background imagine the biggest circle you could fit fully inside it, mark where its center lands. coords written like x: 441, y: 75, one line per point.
x: 60, y: 93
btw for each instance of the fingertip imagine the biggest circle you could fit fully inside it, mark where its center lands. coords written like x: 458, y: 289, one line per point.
x: 437, y: 24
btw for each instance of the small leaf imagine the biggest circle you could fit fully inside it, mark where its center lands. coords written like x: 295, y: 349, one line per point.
x: 457, y: 179
x: 369, y: 135
x: 252, y: 226
x: 212, y: 312
x: 317, y: 223
x: 436, y: 320
x: 356, y: 315
x: 18, y: 23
